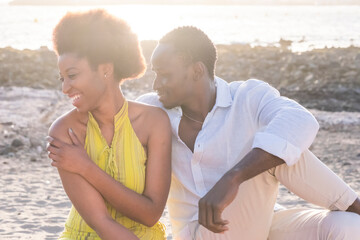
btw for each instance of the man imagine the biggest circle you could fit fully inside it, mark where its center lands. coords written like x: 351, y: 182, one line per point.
x: 232, y: 145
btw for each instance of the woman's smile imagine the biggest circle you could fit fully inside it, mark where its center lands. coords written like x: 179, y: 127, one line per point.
x: 75, y: 99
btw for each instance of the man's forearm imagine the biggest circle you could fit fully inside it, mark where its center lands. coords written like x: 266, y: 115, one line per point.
x: 254, y: 163
x: 225, y: 190
x: 355, y: 207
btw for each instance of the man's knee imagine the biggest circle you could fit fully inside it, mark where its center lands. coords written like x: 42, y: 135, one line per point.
x: 340, y: 225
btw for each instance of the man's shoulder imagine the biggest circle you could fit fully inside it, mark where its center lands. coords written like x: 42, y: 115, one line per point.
x: 151, y: 99
x: 248, y: 87
x: 246, y: 84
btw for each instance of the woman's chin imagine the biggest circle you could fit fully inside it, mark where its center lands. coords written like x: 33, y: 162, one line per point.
x: 81, y: 110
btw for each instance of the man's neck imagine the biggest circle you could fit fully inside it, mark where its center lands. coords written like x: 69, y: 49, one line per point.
x: 202, y: 102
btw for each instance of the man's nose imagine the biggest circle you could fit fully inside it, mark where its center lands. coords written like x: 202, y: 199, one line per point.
x: 157, y: 83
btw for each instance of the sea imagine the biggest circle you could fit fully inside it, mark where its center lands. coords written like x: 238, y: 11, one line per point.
x: 308, y: 27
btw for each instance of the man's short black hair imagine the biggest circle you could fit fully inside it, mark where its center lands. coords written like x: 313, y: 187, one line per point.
x: 194, y: 44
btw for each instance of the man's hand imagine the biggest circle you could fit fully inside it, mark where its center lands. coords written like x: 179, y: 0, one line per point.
x: 224, y: 191
x: 215, y: 201
x: 69, y: 157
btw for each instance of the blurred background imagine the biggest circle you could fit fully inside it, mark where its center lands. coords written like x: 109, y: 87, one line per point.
x: 308, y: 49
x: 308, y: 23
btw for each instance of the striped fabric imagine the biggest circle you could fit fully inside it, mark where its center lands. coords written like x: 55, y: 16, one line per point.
x: 125, y: 161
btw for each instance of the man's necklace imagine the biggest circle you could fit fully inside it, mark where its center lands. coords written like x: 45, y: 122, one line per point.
x: 194, y: 120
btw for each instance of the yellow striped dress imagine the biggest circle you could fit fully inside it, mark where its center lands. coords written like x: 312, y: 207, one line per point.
x: 125, y: 161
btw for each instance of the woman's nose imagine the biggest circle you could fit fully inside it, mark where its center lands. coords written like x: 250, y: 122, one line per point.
x: 65, y: 86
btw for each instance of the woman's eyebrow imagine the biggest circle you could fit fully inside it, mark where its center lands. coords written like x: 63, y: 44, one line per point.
x: 70, y: 68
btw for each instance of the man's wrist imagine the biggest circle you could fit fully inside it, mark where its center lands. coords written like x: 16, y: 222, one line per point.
x: 235, y: 176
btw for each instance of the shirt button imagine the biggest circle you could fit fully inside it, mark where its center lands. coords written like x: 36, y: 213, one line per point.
x: 198, y: 145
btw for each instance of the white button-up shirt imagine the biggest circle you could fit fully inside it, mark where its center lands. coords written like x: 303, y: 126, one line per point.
x: 247, y: 114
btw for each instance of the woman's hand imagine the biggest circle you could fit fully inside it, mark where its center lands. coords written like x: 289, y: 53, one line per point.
x: 69, y: 157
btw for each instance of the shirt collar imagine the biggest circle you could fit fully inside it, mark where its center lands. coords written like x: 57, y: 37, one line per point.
x: 223, y: 94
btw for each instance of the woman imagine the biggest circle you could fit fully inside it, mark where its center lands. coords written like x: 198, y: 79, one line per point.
x: 113, y: 155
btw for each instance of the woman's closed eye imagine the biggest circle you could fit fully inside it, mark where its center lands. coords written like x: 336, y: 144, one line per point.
x: 72, y: 76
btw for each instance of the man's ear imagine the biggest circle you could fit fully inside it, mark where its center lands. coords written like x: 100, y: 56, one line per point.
x: 106, y: 70
x: 199, y: 70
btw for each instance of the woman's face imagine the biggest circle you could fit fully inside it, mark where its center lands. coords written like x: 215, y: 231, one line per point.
x: 80, y: 82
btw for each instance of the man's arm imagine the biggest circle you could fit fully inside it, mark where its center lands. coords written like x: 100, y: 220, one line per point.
x: 224, y: 191
x: 87, y: 201
x: 283, y: 130
x: 355, y: 207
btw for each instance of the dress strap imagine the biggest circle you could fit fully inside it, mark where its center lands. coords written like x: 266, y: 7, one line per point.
x: 121, y: 116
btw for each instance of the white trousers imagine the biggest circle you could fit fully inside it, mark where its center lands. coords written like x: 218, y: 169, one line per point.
x: 252, y: 217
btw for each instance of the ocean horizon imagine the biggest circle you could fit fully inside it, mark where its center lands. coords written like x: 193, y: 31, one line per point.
x: 308, y: 27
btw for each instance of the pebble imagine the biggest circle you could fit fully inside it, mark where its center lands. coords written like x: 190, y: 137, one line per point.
x: 17, y: 143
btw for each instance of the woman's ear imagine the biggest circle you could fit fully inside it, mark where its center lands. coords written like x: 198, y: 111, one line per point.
x: 106, y: 70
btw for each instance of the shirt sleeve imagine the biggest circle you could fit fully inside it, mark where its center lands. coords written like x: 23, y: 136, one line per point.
x: 286, y: 129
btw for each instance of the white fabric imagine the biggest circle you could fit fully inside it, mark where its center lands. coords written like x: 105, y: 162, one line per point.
x: 247, y: 114
x: 300, y: 224
x: 251, y: 215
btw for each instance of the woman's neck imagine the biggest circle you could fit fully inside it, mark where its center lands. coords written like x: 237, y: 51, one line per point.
x: 109, y: 105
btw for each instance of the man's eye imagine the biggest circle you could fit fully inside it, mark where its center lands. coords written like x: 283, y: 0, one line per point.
x: 61, y: 79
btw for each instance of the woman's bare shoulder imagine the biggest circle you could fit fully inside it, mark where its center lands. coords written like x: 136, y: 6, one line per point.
x: 148, y: 121
x: 71, y: 119
x: 146, y: 112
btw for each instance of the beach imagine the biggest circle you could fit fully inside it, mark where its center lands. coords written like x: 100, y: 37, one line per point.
x: 33, y: 204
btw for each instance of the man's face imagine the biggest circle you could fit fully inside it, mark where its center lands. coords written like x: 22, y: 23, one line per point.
x: 173, y: 81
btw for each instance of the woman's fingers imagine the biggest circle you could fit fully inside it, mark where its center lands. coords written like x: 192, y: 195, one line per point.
x: 54, y: 142
x: 73, y: 137
x: 53, y: 149
x: 53, y: 157
x: 54, y: 164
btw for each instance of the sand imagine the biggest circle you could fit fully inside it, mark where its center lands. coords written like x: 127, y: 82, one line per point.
x: 33, y: 204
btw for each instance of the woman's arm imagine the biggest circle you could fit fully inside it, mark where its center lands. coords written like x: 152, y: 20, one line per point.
x: 87, y: 201
x: 144, y: 208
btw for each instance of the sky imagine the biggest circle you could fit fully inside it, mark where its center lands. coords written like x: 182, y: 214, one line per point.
x: 261, y: 1
x: 337, y: 2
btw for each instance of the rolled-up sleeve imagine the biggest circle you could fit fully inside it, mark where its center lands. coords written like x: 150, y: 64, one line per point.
x: 286, y: 128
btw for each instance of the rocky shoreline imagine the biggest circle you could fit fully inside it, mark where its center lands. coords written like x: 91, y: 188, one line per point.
x: 324, y: 79
x: 33, y: 204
